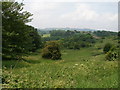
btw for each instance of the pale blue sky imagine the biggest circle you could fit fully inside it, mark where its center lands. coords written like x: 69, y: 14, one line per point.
x: 94, y: 15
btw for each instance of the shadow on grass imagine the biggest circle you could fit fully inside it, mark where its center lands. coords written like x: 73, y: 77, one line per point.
x: 32, y: 61
x: 10, y: 64
x: 97, y: 53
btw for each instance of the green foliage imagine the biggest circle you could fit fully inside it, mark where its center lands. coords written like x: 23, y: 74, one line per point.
x: 71, y: 39
x: 15, y: 33
x: 42, y: 32
x: 104, y: 33
x: 36, y: 42
x: 119, y: 37
x: 57, y: 33
x: 107, y: 47
x: 112, y: 54
x: 51, y: 51
x: 60, y: 34
x: 76, y: 46
x: 78, y: 41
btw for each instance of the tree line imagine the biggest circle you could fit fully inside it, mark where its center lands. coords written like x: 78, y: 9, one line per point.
x: 71, y: 39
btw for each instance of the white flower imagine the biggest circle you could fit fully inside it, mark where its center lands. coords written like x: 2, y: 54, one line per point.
x: 76, y: 64
x: 82, y: 65
x: 73, y: 66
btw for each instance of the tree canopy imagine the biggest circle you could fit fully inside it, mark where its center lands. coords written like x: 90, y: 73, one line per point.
x: 16, y: 34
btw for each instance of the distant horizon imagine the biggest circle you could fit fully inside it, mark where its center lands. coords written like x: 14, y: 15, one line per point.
x: 78, y: 28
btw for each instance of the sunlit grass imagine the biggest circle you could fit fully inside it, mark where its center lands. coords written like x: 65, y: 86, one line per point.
x: 46, y: 35
x: 84, y: 68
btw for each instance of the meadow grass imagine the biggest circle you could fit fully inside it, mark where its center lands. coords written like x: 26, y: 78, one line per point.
x: 46, y: 35
x: 84, y: 68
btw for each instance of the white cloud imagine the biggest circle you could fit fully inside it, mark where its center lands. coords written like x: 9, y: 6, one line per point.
x: 42, y: 12
x: 41, y: 6
x: 86, y: 16
x: 85, y: 12
x: 82, y: 12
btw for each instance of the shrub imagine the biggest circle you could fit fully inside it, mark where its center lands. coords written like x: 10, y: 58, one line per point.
x: 83, y: 45
x: 46, y: 53
x: 112, y: 55
x: 76, y: 46
x: 56, y: 55
x: 107, y: 47
x: 51, y: 51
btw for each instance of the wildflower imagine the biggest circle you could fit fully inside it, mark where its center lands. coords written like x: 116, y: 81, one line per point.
x: 63, y: 75
x: 104, y: 68
x: 76, y: 64
x: 82, y: 65
x: 73, y: 66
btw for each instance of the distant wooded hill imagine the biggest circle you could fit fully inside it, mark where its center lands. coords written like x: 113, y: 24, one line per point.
x: 72, y: 29
x: 96, y: 32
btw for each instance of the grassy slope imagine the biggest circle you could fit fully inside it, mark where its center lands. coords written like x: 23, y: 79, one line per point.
x: 46, y: 35
x: 78, y: 69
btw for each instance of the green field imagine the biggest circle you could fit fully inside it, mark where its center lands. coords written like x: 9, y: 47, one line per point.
x: 46, y: 35
x: 84, y: 68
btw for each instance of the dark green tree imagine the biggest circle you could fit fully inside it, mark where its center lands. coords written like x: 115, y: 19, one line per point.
x: 36, y: 39
x: 15, y: 33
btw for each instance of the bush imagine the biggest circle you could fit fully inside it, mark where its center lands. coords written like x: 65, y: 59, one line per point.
x: 76, y: 46
x: 107, y: 47
x: 112, y: 55
x: 51, y: 51
x: 83, y: 45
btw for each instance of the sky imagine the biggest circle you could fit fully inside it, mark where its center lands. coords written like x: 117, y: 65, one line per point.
x: 93, y: 14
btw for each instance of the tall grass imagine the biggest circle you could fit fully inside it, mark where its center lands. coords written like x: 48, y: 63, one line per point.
x: 77, y: 69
